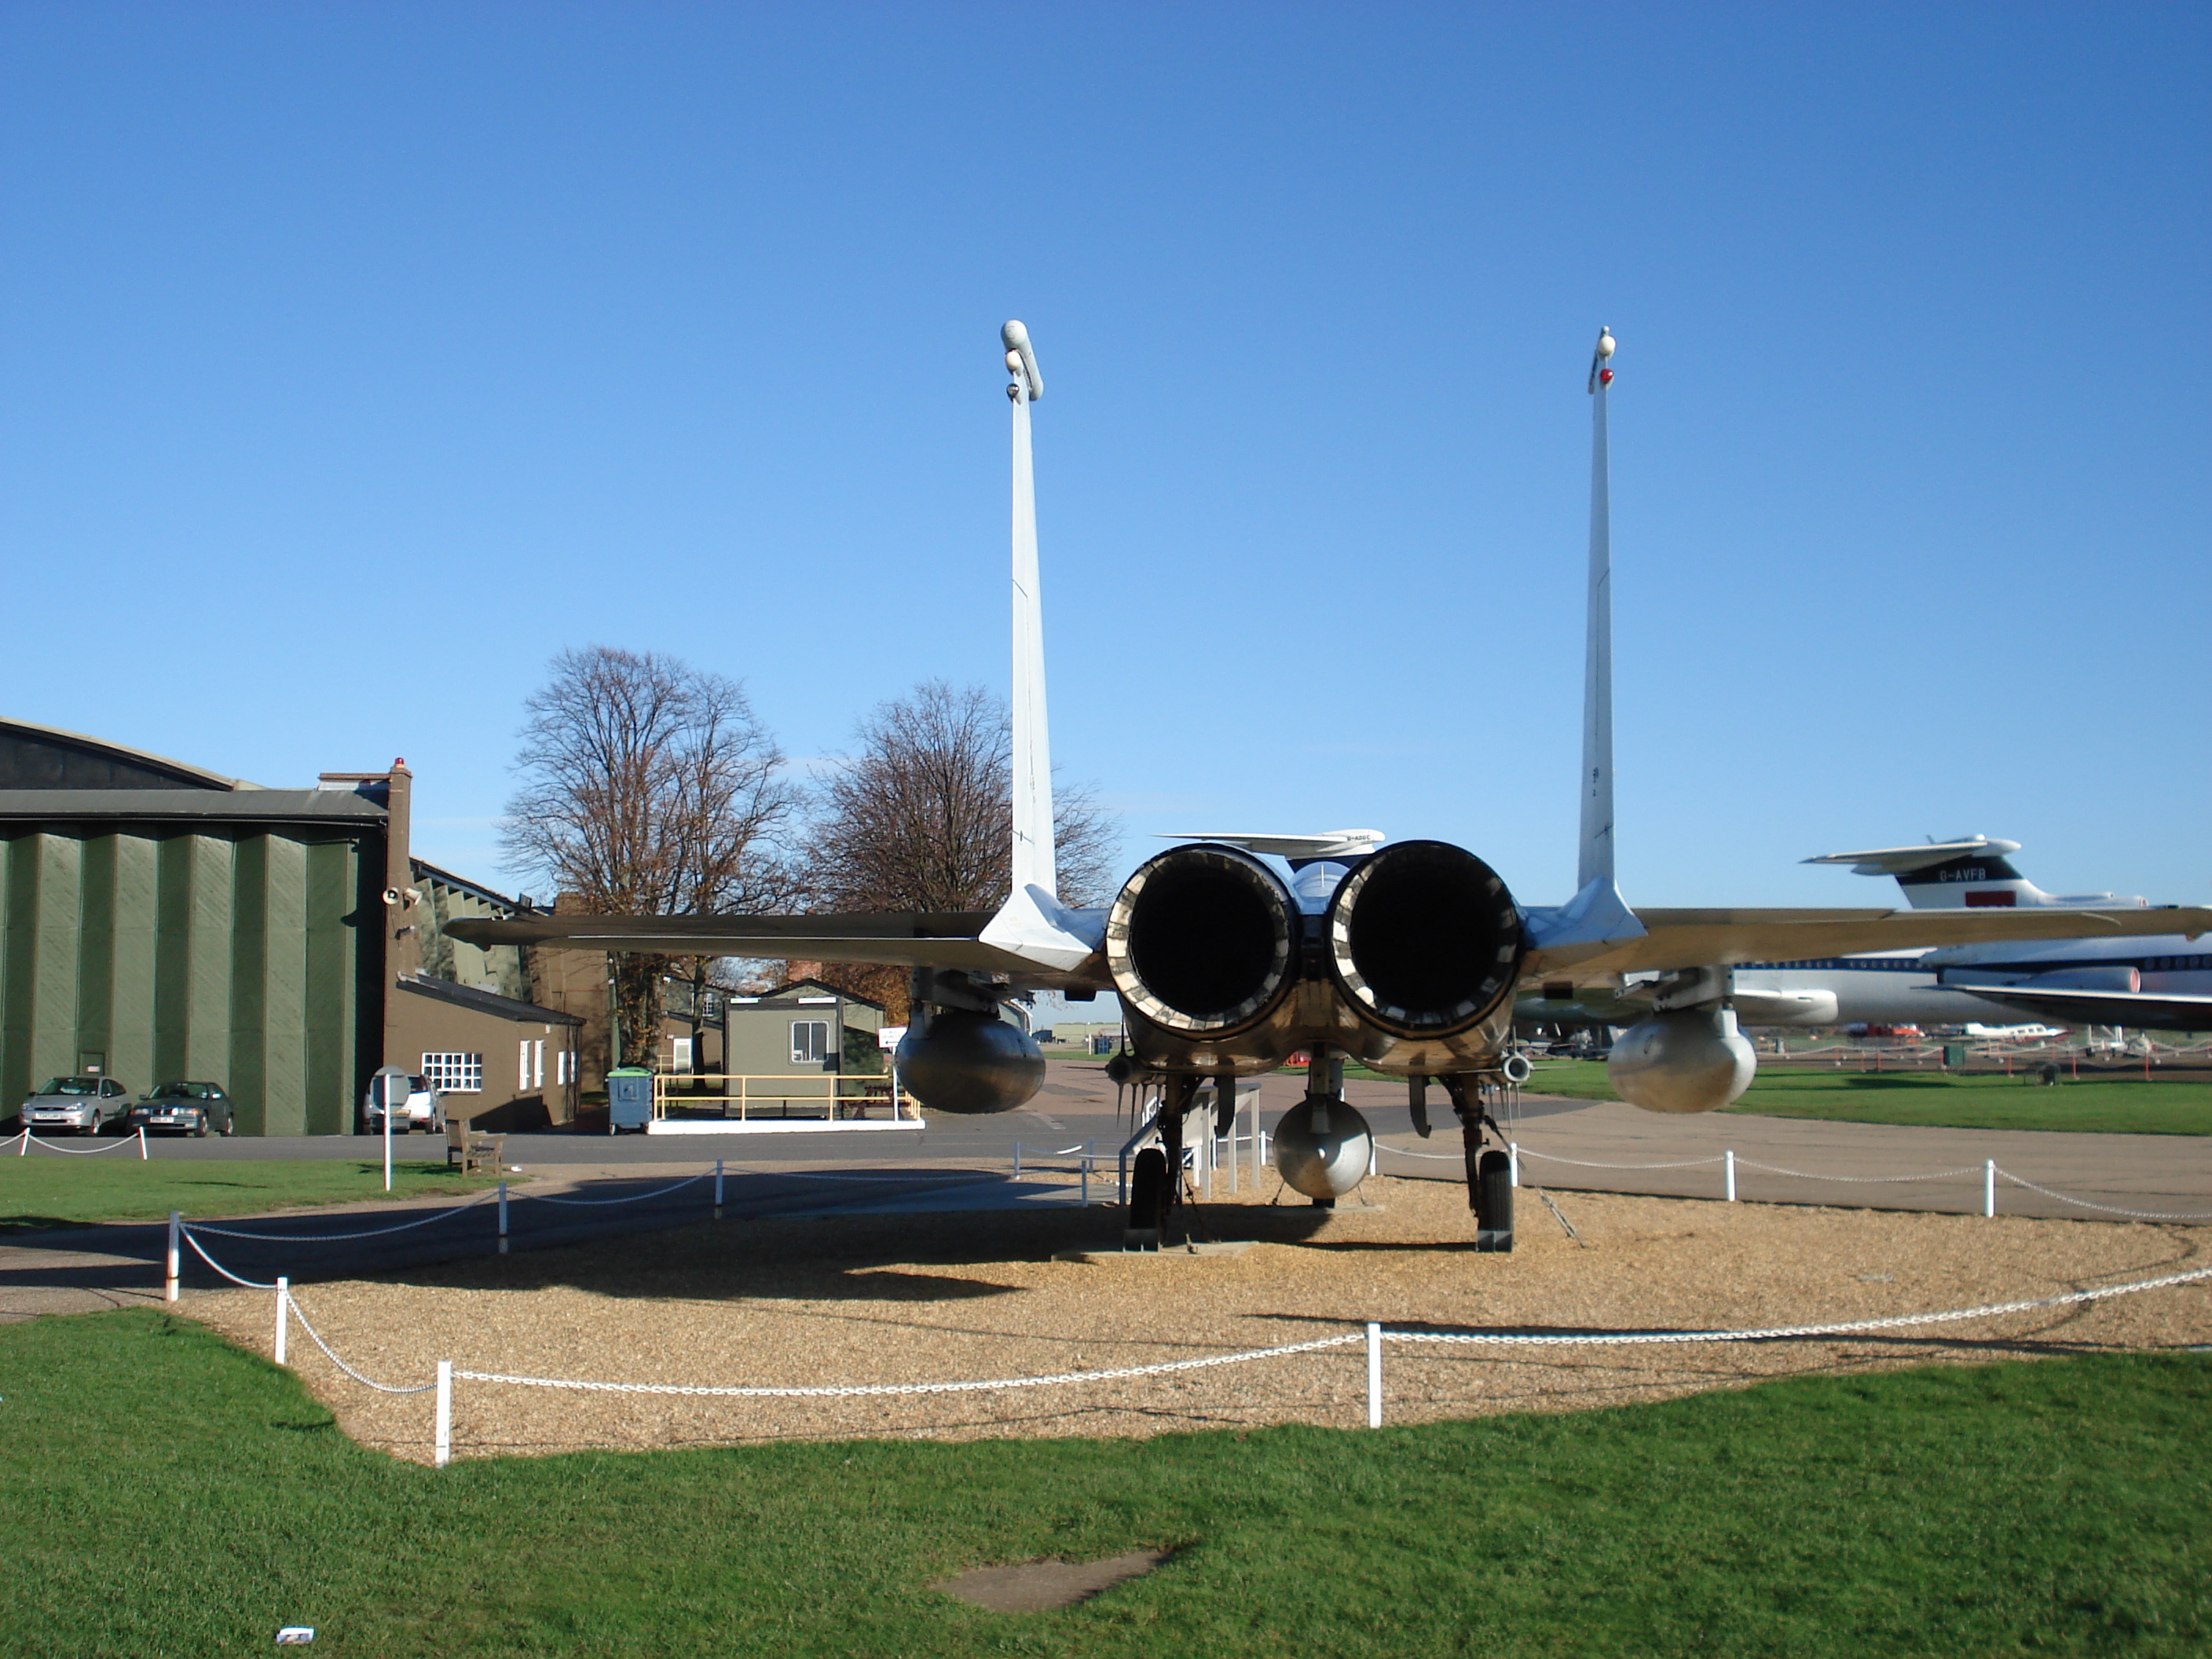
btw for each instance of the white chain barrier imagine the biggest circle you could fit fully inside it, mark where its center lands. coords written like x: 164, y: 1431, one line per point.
x: 627, y: 1198
x: 2108, y: 1209
x: 26, y: 1141
x: 1731, y: 1162
x: 855, y: 1390
x: 332, y: 1238
x: 1806, y: 1175
x: 250, y: 1283
x: 1373, y: 1335
x: 1586, y: 1164
x: 182, y: 1231
x: 287, y: 1303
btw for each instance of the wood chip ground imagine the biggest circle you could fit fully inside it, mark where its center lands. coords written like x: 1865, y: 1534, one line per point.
x: 946, y: 1296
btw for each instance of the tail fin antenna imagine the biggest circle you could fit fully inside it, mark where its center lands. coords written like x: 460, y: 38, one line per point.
x: 1033, y: 860
x: 1597, y: 844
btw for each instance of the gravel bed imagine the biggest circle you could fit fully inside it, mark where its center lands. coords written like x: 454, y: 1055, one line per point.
x: 947, y: 1296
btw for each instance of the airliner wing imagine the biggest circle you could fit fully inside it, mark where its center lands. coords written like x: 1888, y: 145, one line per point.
x: 945, y: 939
x: 1718, y: 937
x: 2154, y: 1009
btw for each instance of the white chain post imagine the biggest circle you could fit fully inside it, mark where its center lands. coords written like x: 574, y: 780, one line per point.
x: 142, y: 1143
x: 1989, y: 1187
x: 284, y: 1290
x: 1018, y: 1160
x: 1728, y: 1172
x: 502, y: 1215
x: 443, y: 1432
x: 1513, y: 1162
x: 717, y: 1189
x: 1374, y: 1375
x: 169, y: 1279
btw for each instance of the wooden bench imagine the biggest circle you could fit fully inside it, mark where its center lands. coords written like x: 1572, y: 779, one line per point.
x: 477, y: 1152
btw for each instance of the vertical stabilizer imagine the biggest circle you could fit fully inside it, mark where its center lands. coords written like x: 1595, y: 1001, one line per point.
x: 1596, y: 859
x: 1032, y: 923
x: 1032, y: 758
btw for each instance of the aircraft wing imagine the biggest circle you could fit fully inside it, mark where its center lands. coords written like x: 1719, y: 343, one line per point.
x: 1718, y: 937
x: 943, y: 939
x: 2153, y: 1010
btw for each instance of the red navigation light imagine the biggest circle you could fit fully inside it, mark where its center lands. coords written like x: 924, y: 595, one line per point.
x: 1605, y: 377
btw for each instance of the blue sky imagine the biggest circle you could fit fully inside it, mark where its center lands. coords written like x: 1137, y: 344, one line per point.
x: 358, y: 358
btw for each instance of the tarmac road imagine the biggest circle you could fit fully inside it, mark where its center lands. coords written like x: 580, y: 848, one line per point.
x: 964, y: 1163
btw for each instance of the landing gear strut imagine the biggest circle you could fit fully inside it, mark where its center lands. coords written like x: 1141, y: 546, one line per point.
x: 1156, y: 1177
x: 1489, y: 1174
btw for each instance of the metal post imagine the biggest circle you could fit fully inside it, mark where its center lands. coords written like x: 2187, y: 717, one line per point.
x: 1374, y: 1375
x: 1018, y: 1160
x: 1989, y: 1187
x: 176, y: 1234
x: 1373, y: 1156
x: 1258, y: 1135
x: 22, y: 1143
x: 1513, y: 1162
x: 142, y: 1143
x: 502, y: 1215
x: 1087, y: 1146
x: 1728, y: 1172
x: 443, y: 1434
x: 717, y: 1189
x: 1205, y: 1165
x: 283, y: 1290
x: 387, y: 1133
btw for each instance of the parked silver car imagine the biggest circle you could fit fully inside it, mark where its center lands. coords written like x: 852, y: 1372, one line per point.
x: 425, y: 1109
x: 187, y: 1109
x: 86, y: 1104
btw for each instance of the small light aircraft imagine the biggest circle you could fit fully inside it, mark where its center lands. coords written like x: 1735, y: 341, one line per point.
x: 1406, y: 956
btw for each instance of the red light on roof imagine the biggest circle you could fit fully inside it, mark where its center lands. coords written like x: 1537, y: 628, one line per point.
x: 1605, y: 377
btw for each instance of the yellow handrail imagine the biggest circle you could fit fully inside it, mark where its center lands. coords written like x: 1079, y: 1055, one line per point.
x: 825, y: 1088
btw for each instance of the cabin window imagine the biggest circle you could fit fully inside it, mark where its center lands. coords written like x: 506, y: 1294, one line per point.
x: 810, y: 1041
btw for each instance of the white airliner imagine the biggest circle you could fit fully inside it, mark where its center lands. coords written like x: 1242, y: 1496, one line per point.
x: 1232, y: 952
x: 2158, y: 982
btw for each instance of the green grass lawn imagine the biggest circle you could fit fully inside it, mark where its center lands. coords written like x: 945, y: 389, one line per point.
x: 42, y: 1190
x: 166, y: 1494
x: 1975, y: 1101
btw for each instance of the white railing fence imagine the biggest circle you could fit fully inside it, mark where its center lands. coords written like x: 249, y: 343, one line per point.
x: 1373, y: 1335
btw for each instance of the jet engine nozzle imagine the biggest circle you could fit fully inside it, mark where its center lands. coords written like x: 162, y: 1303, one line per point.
x: 1326, y: 1159
x: 1202, y: 940
x: 969, y: 1064
x: 1690, y: 1059
x: 1424, y: 939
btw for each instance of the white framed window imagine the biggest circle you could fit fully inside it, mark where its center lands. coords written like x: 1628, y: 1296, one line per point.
x: 454, y: 1074
x: 810, y: 1041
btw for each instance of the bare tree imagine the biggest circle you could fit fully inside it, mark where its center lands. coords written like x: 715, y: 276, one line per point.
x: 649, y: 787
x: 921, y: 818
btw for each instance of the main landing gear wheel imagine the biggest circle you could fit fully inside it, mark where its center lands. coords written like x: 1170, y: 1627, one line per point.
x: 1493, y: 1203
x: 1149, y: 1196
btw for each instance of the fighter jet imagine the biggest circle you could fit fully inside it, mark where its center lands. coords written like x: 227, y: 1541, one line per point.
x: 1233, y: 952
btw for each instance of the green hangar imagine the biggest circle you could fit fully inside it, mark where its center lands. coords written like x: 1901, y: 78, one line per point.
x: 160, y: 922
